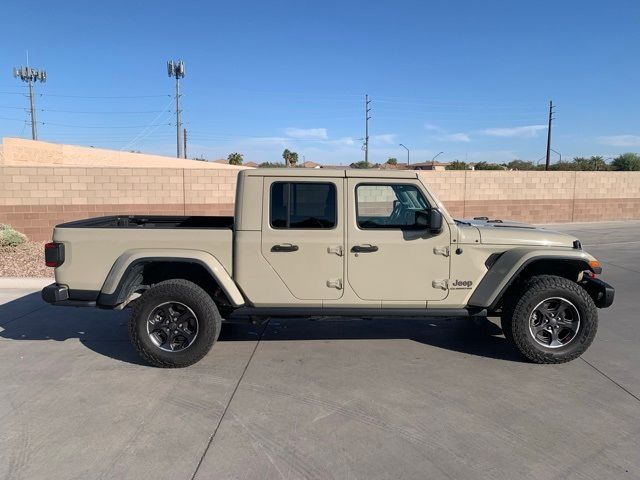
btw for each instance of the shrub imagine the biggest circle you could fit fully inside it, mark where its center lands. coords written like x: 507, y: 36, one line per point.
x: 457, y: 165
x: 10, y: 237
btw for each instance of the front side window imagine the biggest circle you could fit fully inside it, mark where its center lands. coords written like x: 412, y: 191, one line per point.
x: 303, y: 205
x: 388, y: 206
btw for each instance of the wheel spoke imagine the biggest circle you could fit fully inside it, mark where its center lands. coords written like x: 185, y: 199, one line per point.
x: 538, y: 328
x: 168, y: 343
x: 184, y: 317
x: 187, y: 333
x: 555, y: 341
x: 548, y: 309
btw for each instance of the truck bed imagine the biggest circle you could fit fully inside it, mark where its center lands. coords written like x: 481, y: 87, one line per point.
x: 92, y: 246
x: 151, y: 221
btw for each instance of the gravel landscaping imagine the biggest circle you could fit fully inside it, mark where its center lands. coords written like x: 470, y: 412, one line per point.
x: 26, y: 260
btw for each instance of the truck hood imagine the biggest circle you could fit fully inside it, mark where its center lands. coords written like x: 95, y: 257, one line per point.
x: 499, y: 232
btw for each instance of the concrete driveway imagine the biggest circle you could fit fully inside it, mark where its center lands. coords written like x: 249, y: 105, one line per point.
x: 323, y: 399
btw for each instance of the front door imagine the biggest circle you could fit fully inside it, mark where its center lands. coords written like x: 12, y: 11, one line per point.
x: 303, y: 234
x: 389, y: 258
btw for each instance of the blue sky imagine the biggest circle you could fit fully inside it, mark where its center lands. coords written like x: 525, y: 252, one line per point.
x: 469, y: 78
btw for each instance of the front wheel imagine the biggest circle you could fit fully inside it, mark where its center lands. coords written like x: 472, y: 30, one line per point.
x: 554, y: 321
x: 174, y: 324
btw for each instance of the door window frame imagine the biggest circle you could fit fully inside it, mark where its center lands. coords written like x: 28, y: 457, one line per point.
x: 387, y: 184
x: 336, y: 209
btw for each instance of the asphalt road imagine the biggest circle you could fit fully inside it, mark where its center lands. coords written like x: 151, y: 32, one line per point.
x: 323, y: 399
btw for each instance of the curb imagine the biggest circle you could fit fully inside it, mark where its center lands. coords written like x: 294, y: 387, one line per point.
x: 25, y: 283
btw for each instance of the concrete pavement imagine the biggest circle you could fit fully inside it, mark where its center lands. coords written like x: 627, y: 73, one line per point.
x: 323, y: 399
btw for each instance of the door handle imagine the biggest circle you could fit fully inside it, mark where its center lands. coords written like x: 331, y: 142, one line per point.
x: 364, y: 248
x: 284, y: 247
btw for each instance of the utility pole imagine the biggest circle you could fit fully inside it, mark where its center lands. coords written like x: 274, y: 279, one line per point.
x: 184, y: 143
x: 546, y: 167
x: 31, y: 75
x: 366, y: 127
x: 177, y: 70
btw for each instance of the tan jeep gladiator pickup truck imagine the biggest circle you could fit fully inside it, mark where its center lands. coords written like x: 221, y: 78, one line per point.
x: 327, y: 243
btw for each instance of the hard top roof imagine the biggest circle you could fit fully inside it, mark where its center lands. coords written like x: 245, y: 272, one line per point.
x: 329, y: 173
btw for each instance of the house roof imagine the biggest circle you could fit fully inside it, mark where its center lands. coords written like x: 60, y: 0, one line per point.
x: 310, y: 164
x: 428, y: 164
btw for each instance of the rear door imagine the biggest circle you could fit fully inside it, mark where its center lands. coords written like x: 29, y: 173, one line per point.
x: 303, y: 234
x: 388, y: 257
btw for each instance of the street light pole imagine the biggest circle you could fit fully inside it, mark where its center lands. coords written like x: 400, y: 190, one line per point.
x: 405, y: 147
x: 433, y: 160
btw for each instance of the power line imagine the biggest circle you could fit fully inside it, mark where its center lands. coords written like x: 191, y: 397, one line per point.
x: 100, y: 126
x: 102, y: 96
x: 144, y: 133
x: 100, y: 112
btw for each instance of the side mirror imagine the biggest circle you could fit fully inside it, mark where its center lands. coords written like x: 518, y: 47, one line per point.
x: 430, y: 220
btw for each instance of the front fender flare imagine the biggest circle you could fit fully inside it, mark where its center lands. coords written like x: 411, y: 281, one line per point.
x: 507, y: 267
x: 111, y: 289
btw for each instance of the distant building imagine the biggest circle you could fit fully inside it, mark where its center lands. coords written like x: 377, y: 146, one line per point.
x: 309, y: 164
x: 429, y: 166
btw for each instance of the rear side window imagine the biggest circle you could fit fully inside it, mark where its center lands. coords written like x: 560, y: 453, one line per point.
x: 307, y: 205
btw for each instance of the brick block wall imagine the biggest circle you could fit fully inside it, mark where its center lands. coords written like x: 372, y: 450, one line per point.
x: 539, y: 197
x: 33, y: 199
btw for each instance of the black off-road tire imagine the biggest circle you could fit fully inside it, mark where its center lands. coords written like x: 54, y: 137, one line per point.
x: 536, y: 290
x: 189, y: 294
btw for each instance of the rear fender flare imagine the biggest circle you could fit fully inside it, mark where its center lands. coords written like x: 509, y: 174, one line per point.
x: 124, y: 266
x: 510, y: 264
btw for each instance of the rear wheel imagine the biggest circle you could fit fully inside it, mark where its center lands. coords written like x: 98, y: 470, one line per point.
x: 174, y: 324
x: 554, y: 321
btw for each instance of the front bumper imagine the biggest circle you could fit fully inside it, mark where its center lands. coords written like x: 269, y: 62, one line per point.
x: 59, y: 295
x: 601, y: 292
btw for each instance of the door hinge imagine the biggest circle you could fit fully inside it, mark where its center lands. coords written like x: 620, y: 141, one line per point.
x: 441, y: 284
x: 335, y: 283
x: 337, y: 250
x: 441, y: 251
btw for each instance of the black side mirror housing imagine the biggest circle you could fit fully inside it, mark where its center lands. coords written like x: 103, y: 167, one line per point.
x: 429, y: 220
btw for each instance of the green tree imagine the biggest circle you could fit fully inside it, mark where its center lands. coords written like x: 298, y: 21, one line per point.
x: 626, y: 162
x: 457, y: 165
x: 290, y: 158
x: 392, y: 161
x: 590, y: 164
x: 235, y: 158
x: 487, y: 166
x: 598, y: 163
x: 520, y: 165
x: 361, y: 164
